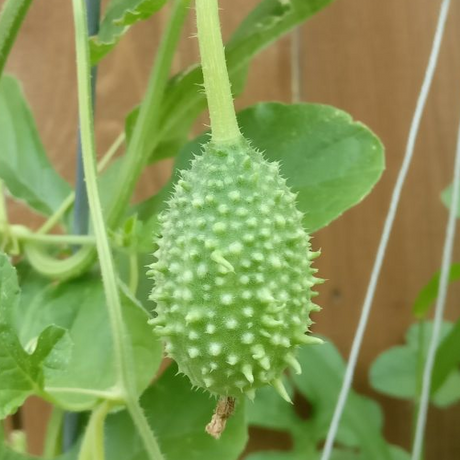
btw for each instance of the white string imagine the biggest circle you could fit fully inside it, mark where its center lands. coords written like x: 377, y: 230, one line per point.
x: 439, y: 309
x: 367, y: 305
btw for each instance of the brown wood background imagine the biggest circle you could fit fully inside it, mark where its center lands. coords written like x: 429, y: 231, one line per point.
x: 364, y: 56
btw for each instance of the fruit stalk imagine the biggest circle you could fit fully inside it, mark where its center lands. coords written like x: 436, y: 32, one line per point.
x: 216, y: 81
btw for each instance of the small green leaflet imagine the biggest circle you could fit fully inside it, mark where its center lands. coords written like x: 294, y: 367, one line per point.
x: 397, y: 370
x: 24, y: 167
x: 429, y: 293
x: 119, y: 16
x: 23, y: 371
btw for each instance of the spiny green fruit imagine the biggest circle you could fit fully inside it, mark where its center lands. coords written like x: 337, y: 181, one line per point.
x: 233, y: 281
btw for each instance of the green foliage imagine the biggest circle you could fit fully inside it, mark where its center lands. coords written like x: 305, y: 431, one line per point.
x: 182, y: 103
x: 397, y: 371
x: 66, y: 341
x: 331, y: 161
x: 118, y: 17
x: 24, y: 370
x: 24, y: 166
x: 429, y: 293
x: 178, y: 416
x: 447, y: 358
x: 360, y: 432
x: 79, y: 307
x: 12, y: 15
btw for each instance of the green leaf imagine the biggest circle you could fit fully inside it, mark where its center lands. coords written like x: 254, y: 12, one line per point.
x: 24, y: 166
x: 12, y: 15
x: 362, y: 419
x: 446, y: 198
x: 8, y: 454
x: 397, y: 453
x: 273, y: 455
x: 270, y: 411
x: 79, y: 306
x: 178, y: 416
x: 447, y: 357
x: 119, y: 16
x: 169, y: 146
x: 269, y: 21
x: 22, y: 373
x: 331, y: 161
x: 396, y: 371
x: 429, y: 293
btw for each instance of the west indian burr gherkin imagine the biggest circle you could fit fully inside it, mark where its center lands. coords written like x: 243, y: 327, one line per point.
x: 232, y: 273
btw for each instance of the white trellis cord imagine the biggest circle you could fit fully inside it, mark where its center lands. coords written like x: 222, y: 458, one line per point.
x: 395, y: 198
x: 439, y: 309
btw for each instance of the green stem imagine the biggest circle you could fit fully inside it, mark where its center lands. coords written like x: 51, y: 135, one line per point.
x: 22, y: 233
x: 136, y: 156
x: 92, y: 447
x: 149, y: 115
x: 11, y: 18
x: 144, y: 430
x: 216, y: 81
x: 133, y: 273
x: 123, y: 356
x: 53, y: 446
x: 67, y: 203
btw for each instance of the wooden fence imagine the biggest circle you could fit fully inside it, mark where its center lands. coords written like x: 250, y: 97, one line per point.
x: 364, y: 56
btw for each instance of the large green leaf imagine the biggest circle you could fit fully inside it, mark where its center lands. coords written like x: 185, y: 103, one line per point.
x: 24, y: 166
x: 429, y: 293
x: 269, y: 20
x: 362, y: 419
x: 80, y: 307
x: 119, y: 16
x: 178, y: 416
x: 331, y: 161
x: 23, y: 371
x: 396, y: 371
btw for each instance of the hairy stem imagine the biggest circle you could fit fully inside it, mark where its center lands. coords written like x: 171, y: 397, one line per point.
x: 22, y: 233
x: 123, y: 356
x: 11, y: 18
x: 92, y: 447
x: 53, y: 441
x: 145, y: 432
x: 216, y: 81
x: 100, y: 231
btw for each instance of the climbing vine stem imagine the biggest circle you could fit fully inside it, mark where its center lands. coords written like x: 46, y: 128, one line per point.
x: 216, y: 81
x: 123, y: 357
